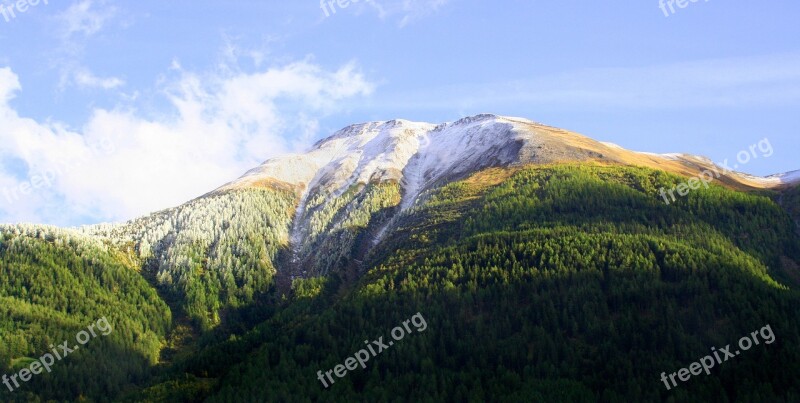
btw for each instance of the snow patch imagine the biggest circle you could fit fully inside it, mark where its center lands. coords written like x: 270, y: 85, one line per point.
x: 787, y: 178
x: 419, y: 155
x: 612, y: 145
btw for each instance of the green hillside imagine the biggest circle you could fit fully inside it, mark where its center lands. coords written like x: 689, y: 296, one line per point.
x: 549, y: 283
x: 559, y: 283
x: 55, y: 283
x: 212, y: 254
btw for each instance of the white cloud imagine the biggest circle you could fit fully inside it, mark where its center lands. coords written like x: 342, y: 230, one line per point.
x: 83, y: 17
x: 415, y: 9
x: 85, y: 78
x: 121, y: 164
x: 9, y: 85
x: 76, y: 25
x: 406, y: 10
x: 233, y: 52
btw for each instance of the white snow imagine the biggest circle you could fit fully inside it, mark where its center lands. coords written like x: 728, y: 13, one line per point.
x: 791, y: 177
x: 786, y: 177
x: 415, y: 154
x: 670, y: 156
x: 769, y: 181
x: 612, y: 145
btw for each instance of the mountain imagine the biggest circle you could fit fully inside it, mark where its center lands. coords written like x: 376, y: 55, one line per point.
x: 547, y: 267
x: 423, y: 156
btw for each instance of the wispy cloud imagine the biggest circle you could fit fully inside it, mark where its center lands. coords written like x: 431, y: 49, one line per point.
x: 75, y: 26
x: 217, y: 126
x: 407, y: 11
x: 415, y: 9
x: 85, y: 78
x: 86, y: 17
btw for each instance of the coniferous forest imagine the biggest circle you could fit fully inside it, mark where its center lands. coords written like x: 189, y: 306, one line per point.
x: 554, y: 283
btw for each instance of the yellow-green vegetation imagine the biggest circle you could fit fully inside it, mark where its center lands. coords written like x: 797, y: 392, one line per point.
x: 548, y: 283
x: 53, y: 284
x: 563, y: 283
x: 308, y: 288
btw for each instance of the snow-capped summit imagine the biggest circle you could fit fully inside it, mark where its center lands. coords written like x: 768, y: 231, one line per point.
x: 407, y: 159
x: 788, y: 178
x: 419, y: 155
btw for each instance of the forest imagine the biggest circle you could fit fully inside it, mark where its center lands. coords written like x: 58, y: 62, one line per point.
x: 539, y: 283
x: 563, y: 283
x: 53, y: 283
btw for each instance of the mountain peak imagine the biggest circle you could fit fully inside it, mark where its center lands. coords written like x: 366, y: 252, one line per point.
x: 419, y: 155
x: 386, y: 150
x: 477, y: 118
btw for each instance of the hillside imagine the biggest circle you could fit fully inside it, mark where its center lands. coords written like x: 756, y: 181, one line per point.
x: 546, y: 265
x: 53, y: 283
x: 565, y: 283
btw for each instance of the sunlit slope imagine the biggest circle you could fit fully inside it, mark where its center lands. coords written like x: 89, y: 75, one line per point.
x: 214, y: 253
x: 556, y: 283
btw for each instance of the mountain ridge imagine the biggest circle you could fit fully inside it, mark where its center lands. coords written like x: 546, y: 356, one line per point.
x: 414, y: 137
x: 420, y: 156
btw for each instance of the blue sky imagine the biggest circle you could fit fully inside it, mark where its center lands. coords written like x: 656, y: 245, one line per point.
x: 110, y: 109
